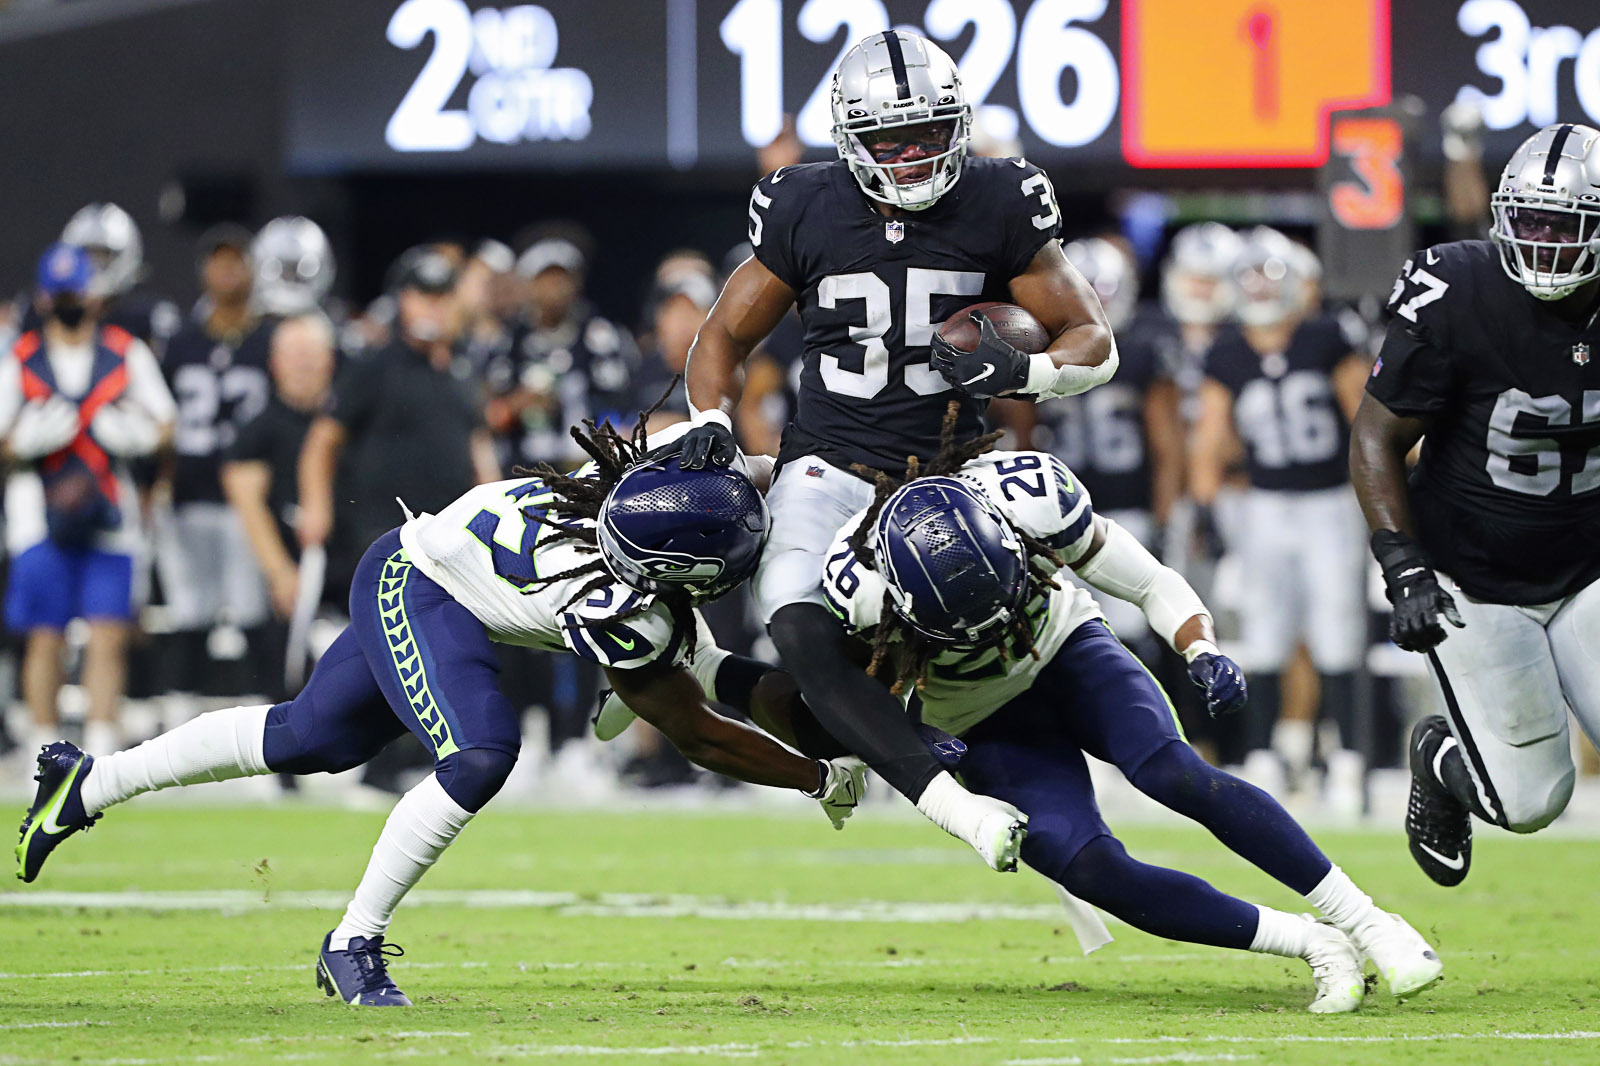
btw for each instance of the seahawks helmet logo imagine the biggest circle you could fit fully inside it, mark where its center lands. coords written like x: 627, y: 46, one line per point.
x: 697, y: 569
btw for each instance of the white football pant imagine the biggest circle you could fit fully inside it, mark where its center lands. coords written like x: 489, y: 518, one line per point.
x: 208, y: 571
x: 810, y: 501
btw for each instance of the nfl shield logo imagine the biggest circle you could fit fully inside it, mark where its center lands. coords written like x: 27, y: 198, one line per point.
x: 1580, y: 354
x: 894, y: 232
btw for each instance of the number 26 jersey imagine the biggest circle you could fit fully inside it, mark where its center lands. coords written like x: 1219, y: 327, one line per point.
x: 1507, y: 492
x: 871, y: 290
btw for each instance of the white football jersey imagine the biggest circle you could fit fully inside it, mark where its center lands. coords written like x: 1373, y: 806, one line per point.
x: 1038, y: 495
x: 489, y: 549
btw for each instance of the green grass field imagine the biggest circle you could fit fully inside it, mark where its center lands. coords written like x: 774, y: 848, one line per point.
x: 680, y: 937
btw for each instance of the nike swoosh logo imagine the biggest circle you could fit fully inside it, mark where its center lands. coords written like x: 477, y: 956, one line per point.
x: 1433, y: 257
x: 625, y: 645
x: 988, y: 368
x: 1438, y: 758
x: 49, y: 825
x: 1455, y: 863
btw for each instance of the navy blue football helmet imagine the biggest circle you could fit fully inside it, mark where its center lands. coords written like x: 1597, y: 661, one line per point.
x: 956, y: 570
x: 663, y: 528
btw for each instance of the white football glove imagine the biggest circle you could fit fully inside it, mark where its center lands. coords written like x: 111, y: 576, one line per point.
x: 994, y: 828
x: 844, y: 785
x: 43, y: 426
x: 125, y: 430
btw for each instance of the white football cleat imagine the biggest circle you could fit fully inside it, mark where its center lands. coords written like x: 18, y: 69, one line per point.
x: 613, y: 716
x: 999, y: 838
x: 1403, y: 959
x: 1336, y: 968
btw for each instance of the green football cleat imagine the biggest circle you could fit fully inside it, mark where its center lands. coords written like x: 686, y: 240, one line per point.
x: 57, y: 810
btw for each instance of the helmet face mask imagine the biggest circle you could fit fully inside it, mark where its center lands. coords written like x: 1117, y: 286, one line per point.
x: 663, y: 529
x: 900, y: 120
x: 294, y: 267
x: 1547, y: 212
x: 955, y: 569
x: 112, y: 239
x: 1195, y: 285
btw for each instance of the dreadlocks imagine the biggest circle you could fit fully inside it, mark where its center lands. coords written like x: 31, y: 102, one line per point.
x: 582, y: 498
x: 917, y: 651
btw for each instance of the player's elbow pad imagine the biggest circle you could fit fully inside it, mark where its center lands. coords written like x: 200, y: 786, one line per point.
x: 1046, y: 381
x: 1125, y: 568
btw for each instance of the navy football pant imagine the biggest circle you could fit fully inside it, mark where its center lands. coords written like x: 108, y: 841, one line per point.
x: 1095, y: 697
x: 412, y: 658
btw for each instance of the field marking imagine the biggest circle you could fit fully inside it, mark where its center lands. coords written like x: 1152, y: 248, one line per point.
x: 51, y: 1025
x: 1182, y: 1056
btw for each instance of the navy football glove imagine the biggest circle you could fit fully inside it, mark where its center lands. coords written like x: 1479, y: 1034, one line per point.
x: 712, y: 442
x: 1410, y: 583
x: 1221, y: 680
x: 948, y: 750
x: 988, y: 370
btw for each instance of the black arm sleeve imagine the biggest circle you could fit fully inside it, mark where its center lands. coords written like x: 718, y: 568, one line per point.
x: 847, y: 703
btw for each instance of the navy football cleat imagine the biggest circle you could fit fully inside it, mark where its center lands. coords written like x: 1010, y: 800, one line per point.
x: 57, y: 810
x: 1438, y: 826
x: 359, y: 975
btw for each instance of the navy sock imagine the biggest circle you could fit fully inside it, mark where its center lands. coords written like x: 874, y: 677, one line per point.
x: 1162, y: 902
x: 1251, y: 823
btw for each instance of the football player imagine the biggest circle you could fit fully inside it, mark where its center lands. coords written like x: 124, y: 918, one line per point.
x: 1281, y: 389
x: 1487, y: 363
x: 608, y: 563
x: 876, y: 249
x: 949, y: 578
x: 294, y: 266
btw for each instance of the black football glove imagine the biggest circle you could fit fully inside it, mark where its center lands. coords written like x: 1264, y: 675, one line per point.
x: 988, y: 370
x: 1221, y: 680
x: 712, y: 441
x: 1418, y: 599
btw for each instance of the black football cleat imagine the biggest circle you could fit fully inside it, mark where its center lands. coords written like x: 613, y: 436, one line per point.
x: 359, y: 975
x: 57, y: 810
x: 1438, y: 826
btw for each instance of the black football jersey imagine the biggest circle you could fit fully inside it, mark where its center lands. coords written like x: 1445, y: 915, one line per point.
x: 1100, y: 434
x: 872, y: 290
x: 1505, y: 494
x: 1295, y: 435
x: 219, y: 384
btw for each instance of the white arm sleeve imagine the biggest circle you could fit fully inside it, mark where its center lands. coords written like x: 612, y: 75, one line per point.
x: 147, y: 387
x: 1046, y: 381
x: 1125, y: 568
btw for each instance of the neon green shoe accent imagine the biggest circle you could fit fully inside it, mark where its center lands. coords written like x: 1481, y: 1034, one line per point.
x: 45, y: 819
x: 407, y: 658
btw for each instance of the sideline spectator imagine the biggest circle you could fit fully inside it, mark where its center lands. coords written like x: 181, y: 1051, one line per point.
x: 77, y: 400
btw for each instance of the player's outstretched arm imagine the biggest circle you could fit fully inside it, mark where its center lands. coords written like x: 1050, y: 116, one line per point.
x: 1081, y: 353
x: 1116, y: 563
x: 751, y: 305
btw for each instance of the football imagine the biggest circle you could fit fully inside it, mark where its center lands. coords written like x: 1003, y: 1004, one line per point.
x: 1016, y: 326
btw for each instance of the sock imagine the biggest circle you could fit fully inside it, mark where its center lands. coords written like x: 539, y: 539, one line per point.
x: 1292, y: 738
x: 420, y: 827
x: 1281, y: 933
x: 101, y: 738
x: 707, y: 658
x: 1341, y: 902
x: 218, y: 746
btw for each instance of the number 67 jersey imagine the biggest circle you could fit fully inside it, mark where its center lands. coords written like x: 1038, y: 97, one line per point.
x: 1507, y: 492
x: 871, y: 290
x: 1038, y: 495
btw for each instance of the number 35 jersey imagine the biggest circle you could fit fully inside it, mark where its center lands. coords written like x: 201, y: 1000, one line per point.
x: 872, y: 290
x: 489, y: 550
x: 1506, y: 495
x: 1037, y: 494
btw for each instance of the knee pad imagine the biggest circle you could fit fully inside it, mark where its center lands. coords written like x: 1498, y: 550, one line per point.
x: 1531, y: 813
x: 295, y: 744
x: 472, y: 776
x: 1096, y: 871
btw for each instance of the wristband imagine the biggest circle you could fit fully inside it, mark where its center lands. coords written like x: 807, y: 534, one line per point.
x: 1198, y: 648
x: 714, y: 414
x: 1046, y: 380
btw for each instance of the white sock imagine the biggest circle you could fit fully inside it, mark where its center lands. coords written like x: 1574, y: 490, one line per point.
x: 1281, y: 933
x: 708, y: 660
x: 218, y: 746
x: 101, y: 738
x: 419, y: 828
x: 1292, y: 738
x: 1338, y: 898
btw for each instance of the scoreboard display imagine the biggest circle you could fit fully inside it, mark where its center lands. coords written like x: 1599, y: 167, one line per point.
x: 1140, y: 84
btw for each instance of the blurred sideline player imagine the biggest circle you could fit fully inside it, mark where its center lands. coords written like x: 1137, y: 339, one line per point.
x: 608, y: 564
x: 1281, y: 388
x: 112, y: 239
x: 952, y: 581
x: 1197, y: 292
x: 294, y: 267
x: 1490, y: 363
x: 77, y: 401
x: 216, y: 366
x: 1125, y: 436
x: 877, y: 248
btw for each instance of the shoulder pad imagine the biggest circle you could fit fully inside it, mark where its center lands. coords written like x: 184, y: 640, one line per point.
x: 851, y: 590
x: 1037, y: 493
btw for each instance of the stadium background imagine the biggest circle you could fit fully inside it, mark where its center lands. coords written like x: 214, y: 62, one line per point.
x: 394, y: 123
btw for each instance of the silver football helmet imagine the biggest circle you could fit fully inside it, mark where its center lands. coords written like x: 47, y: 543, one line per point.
x: 1108, y: 271
x: 890, y: 81
x: 294, y: 266
x: 1271, y: 278
x: 1195, y: 279
x: 111, y: 237
x: 1547, y: 211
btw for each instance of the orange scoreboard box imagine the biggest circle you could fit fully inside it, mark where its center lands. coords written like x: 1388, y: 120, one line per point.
x: 1246, y: 83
